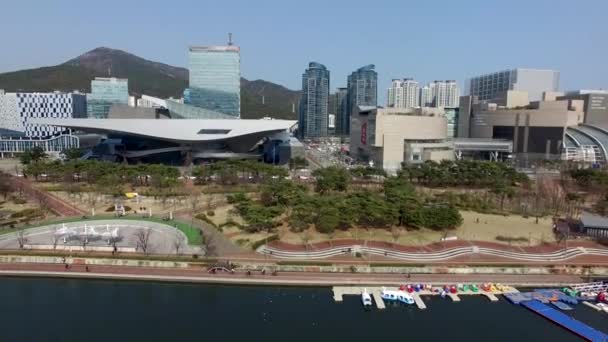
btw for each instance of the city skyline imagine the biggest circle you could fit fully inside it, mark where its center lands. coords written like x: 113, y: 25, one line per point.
x: 475, y: 44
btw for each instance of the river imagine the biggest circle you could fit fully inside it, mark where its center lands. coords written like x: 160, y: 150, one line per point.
x: 91, y: 310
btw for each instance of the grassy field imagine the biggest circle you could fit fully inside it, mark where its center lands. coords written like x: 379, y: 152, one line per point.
x: 487, y: 229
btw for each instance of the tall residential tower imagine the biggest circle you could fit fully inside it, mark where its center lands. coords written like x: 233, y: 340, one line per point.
x: 403, y: 94
x: 313, y: 105
x: 362, y: 91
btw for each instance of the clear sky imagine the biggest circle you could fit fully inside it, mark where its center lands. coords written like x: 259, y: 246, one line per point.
x: 427, y: 40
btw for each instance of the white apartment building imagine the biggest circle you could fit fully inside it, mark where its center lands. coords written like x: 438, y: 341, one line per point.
x: 426, y: 96
x: 403, y: 93
x: 445, y: 93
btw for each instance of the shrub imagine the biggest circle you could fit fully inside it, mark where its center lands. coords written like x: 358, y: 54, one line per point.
x: 18, y: 200
x: 206, y: 219
x: 27, y: 213
x: 210, y: 213
x: 257, y: 244
x: 512, y: 239
x: 111, y: 209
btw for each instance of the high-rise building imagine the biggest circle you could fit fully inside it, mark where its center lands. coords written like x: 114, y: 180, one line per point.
x: 362, y: 91
x: 16, y: 110
x: 403, y: 94
x: 445, y: 93
x: 532, y: 81
x: 215, y: 79
x: 341, y: 110
x: 426, y: 96
x: 313, y: 105
x: 104, y: 93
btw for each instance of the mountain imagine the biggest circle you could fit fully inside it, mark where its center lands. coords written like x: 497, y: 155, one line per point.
x: 259, y: 98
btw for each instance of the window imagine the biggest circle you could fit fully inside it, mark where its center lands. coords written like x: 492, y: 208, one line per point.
x: 214, y: 131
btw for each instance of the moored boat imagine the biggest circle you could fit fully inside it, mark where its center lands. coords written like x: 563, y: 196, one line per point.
x: 366, y: 299
x: 397, y: 296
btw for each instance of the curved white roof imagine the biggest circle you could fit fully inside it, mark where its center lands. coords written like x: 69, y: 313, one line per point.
x: 183, y: 130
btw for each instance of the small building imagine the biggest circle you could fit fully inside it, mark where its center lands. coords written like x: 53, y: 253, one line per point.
x: 595, y: 225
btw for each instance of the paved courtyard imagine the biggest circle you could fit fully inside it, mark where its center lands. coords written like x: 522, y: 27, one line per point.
x: 102, y: 235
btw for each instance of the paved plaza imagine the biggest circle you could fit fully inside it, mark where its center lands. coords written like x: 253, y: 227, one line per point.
x: 102, y: 235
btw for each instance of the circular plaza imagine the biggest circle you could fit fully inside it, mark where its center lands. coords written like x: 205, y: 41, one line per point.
x: 104, y: 235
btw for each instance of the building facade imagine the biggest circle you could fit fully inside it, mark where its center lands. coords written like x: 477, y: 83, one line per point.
x: 313, y: 118
x: 595, y: 105
x: 362, y: 87
x: 444, y: 93
x: 403, y: 93
x: 388, y: 137
x: 341, y: 106
x: 215, y: 79
x: 104, y: 93
x: 426, y: 96
x: 17, y: 109
x: 533, y: 81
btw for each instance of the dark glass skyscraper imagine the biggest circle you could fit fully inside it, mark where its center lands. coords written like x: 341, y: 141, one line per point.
x: 313, y: 105
x: 341, y: 111
x: 362, y: 91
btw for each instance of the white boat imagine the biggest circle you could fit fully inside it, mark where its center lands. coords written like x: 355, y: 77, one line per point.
x: 603, y: 306
x: 397, y: 295
x: 366, y: 299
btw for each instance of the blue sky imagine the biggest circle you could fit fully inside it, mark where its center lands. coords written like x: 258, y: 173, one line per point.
x: 426, y: 40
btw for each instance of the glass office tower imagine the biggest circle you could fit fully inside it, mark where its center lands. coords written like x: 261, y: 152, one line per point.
x: 215, y: 79
x: 313, y: 105
x: 104, y: 93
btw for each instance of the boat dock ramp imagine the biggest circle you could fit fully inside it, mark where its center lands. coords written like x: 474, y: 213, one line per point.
x: 565, y: 321
x: 341, y: 291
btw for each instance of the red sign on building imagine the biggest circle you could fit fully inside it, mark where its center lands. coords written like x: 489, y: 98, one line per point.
x: 364, y: 134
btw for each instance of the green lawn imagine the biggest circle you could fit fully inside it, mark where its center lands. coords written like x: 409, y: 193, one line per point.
x: 192, y: 233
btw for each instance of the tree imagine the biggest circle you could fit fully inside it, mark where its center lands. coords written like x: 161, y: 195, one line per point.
x: 21, y: 238
x: 178, y: 243
x: 5, y: 185
x: 209, y: 245
x: 396, y: 234
x: 142, y: 237
x: 72, y: 153
x: 34, y: 155
x: 331, y: 178
x: 502, y: 190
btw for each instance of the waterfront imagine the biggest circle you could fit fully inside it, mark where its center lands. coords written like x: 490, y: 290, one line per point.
x: 95, y: 310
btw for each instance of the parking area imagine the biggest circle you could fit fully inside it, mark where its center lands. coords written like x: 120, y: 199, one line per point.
x: 103, y: 235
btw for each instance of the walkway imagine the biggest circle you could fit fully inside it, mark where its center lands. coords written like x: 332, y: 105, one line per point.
x: 54, y: 204
x: 457, y: 251
x: 196, y: 274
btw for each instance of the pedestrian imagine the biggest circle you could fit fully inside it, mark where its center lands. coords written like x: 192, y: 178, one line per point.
x: 86, y: 268
x: 66, y: 266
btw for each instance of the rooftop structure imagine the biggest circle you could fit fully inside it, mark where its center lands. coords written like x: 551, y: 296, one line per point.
x: 532, y: 81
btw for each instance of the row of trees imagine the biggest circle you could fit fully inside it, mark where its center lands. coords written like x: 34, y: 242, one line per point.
x: 462, y: 173
x: 232, y: 172
x: 333, y: 206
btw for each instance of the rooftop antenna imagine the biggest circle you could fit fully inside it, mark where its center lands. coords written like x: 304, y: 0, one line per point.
x: 229, y: 39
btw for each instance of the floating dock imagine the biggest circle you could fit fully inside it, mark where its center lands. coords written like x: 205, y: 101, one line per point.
x: 419, y: 302
x: 340, y: 291
x: 565, y: 321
